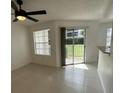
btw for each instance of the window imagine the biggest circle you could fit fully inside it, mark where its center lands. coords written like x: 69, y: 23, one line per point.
x: 75, y: 33
x: 109, y: 37
x: 69, y: 34
x: 41, y: 42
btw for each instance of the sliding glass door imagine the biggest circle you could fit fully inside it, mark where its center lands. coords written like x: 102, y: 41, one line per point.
x: 79, y: 45
x: 74, y: 46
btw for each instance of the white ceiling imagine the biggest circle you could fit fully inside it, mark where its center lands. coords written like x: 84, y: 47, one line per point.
x: 68, y: 9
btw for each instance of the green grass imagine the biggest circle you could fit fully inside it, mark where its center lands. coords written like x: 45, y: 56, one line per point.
x: 78, y: 50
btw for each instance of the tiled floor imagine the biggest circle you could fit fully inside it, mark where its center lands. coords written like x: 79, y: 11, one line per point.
x: 35, y: 78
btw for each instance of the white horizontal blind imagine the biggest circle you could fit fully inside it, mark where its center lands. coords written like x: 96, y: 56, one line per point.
x: 41, y: 42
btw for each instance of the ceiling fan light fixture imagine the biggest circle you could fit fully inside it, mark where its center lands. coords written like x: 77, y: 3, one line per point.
x: 21, y: 18
x: 21, y: 15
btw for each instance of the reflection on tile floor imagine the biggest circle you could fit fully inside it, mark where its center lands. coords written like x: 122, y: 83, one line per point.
x: 35, y: 78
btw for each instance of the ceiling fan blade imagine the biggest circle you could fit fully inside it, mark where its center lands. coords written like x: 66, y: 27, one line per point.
x: 36, y: 12
x: 33, y: 19
x: 15, y: 20
x: 13, y: 5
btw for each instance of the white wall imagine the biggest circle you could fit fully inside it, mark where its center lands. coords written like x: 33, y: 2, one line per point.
x: 105, y: 70
x: 95, y: 36
x: 55, y: 58
x: 20, y: 49
x: 41, y: 59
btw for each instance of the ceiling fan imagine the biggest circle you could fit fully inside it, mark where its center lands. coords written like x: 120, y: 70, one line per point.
x: 21, y: 14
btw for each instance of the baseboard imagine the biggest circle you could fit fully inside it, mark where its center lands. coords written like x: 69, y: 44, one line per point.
x: 18, y: 67
x: 45, y: 65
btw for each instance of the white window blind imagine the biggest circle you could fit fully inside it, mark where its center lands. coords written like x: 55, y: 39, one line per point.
x: 41, y: 42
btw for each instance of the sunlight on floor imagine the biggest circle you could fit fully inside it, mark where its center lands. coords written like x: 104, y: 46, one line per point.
x: 80, y: 66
